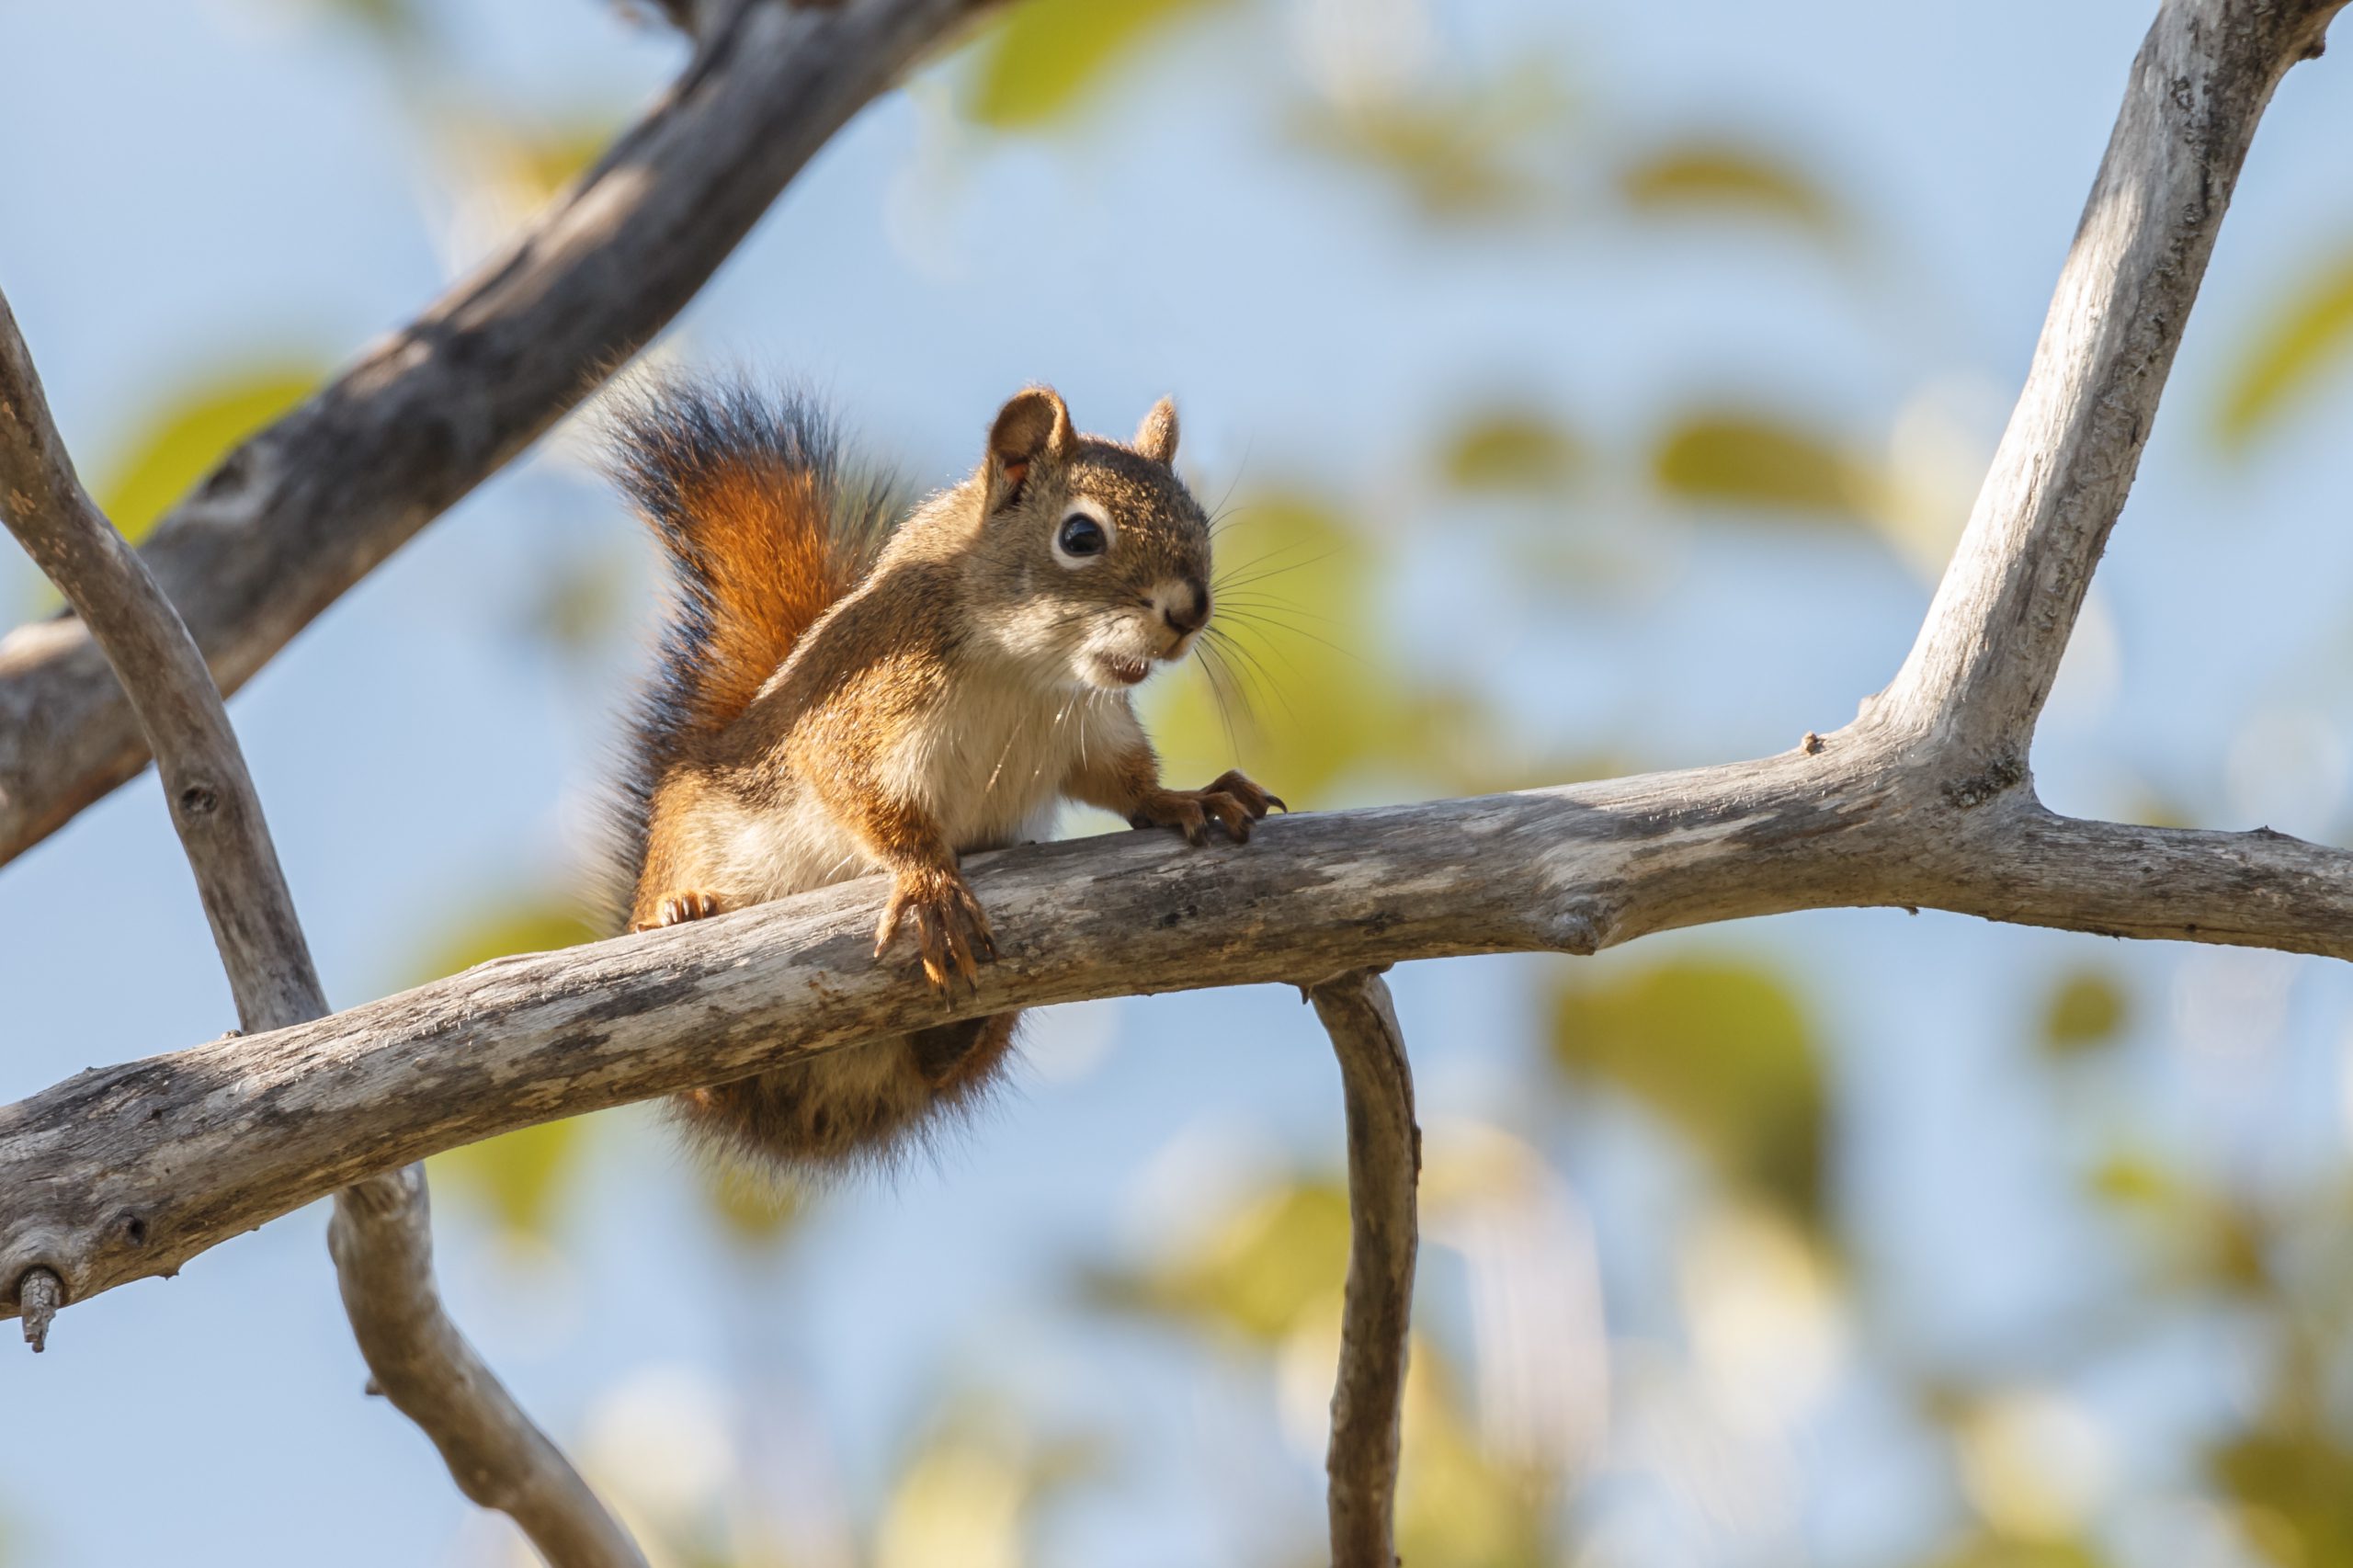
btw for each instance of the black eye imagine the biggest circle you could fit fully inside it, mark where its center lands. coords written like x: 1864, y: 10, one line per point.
x: 1081, y: 535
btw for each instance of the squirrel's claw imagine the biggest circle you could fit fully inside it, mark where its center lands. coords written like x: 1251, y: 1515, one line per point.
x: 1233, y: 802
x: 1247, y: 791
x: 677, y: 908
x: 952, y: 930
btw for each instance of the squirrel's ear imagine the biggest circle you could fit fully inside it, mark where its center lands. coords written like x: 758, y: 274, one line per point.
x: 1157, y: 437
x: 1034, y: 427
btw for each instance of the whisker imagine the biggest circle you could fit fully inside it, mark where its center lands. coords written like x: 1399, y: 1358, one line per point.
x: 1254, y: 668
x: 1255, y: 604
x: 1204, y: 653
x: 1223, y: 585
x: 1256, y: 622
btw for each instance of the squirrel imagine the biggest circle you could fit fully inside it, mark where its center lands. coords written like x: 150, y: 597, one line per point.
x: 836, y: 694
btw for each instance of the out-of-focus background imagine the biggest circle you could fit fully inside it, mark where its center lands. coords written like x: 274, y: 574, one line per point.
x: 1595, y: 388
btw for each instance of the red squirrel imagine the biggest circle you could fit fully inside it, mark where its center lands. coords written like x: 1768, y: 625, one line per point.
x: 837, y: 694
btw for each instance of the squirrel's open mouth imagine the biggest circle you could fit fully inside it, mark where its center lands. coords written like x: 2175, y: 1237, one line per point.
x: 1126, y: 672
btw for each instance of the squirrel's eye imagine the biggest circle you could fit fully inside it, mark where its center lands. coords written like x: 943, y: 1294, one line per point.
x: 1080, y: 537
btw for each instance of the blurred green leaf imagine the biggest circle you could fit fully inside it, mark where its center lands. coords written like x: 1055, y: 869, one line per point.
x: 2135, y: 1181
x: 1511, y: 450
x: 752, y: 1208
x: 1720, y: 1050
x: 1040, y: 62
x: 541, y: 924
x: 552, y: 158
x: 2307, y: 335
x: 2086, y: 1009
x: 1258, y: 1275
x: 2294, y: 1482
x: 1719, y: 177
x: 970, y: 1490
x: 178, y: 445
x: 2208, y: 1242
x: 519, y: 1175
x: 524, y: 164
x: 1460, y: 153
x: 1757, y: 461
x: 1459, y: 1506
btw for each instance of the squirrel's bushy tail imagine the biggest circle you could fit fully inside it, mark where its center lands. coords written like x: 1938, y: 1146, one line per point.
x: 764, y: 525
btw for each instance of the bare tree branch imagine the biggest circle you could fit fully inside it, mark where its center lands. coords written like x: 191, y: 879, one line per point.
x: 1991, y: 645
x: 1384, y: 1165
x: 379, y: 1231
x: 211, y: 796
x: 382, y: 1242
x: 205, y: 1143
x: 305, y: 509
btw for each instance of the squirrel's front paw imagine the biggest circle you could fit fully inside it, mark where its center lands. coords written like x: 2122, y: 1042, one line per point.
x: 950, y: 928
x: 1232, y: 801
x: 678, y: 908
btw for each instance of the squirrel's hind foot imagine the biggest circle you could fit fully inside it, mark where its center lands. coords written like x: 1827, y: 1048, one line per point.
x: 694, y: 903
x: 951, y: 929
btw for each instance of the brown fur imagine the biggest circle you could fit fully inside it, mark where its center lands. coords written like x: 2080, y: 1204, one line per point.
x: 829, y: 725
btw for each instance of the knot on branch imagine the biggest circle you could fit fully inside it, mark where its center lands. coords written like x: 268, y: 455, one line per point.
x: 1579, y: 928
x: 2004, y: 773
x: 38, y: 1295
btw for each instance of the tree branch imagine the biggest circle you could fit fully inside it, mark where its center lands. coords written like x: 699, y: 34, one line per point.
x: 205, y: 1143
x: 1385, y: 1164
x: 306, y: 508
x: 211, y: 795
x: 1991, y: 645
x: 379, y: 1231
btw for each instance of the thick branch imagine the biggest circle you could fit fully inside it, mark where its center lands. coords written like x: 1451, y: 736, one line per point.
x: 1990, y: 647
x: 379, y: 1231
x: 305, y: 509
x: 1384, y: 1165
x: 126, y: 1172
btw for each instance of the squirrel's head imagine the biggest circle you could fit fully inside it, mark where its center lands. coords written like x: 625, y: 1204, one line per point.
x: 1095, y: 553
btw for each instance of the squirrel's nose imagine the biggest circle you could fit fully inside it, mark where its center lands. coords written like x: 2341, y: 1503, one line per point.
x: 1185, y: 606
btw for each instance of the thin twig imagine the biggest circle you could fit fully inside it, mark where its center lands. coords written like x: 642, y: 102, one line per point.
x: 377, y: 1232
x: 1385, y: 1164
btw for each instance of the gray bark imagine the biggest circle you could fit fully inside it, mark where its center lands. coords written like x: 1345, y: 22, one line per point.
x: 124, y: 1173
x: 1376, y: 1315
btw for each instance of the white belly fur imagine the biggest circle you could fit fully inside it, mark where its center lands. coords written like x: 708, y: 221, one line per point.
x: 991, y: 776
